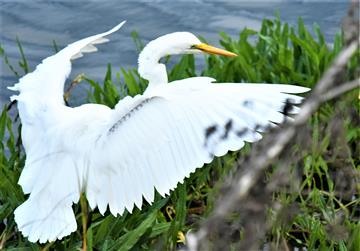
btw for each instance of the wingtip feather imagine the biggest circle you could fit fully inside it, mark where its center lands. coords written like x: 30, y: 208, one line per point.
x: 13, y: 88
x: 117, y: 27
x: 14, y: 97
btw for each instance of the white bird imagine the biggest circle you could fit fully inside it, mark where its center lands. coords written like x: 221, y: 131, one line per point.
x: 118, y: 156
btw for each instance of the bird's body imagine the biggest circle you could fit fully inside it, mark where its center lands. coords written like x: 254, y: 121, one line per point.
x: 117, y: 156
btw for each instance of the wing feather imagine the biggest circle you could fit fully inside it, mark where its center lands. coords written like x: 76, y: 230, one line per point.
x: 162, y: 140
x: 53, y: 172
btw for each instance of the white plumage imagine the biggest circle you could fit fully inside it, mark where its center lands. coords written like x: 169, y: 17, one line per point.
x: 117, y: 156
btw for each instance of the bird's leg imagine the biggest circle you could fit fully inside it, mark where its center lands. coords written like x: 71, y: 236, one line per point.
x: 84, y: 213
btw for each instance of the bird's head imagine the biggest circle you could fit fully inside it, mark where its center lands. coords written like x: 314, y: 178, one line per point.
x: 170, y: 44
x: 186, y: 43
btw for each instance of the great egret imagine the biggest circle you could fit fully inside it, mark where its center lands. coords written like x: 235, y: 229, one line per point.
x: 118, y: 156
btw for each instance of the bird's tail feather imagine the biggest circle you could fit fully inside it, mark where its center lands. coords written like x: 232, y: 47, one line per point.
x: 40, y: 220
x: 54, y: 183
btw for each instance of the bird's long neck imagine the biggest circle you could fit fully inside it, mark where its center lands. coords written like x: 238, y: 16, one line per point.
x: 149, y: 66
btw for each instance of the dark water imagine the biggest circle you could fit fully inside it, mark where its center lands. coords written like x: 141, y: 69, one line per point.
x: 38, y: 23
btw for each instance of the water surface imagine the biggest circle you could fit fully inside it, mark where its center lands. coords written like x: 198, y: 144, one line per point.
x: 38, y: 23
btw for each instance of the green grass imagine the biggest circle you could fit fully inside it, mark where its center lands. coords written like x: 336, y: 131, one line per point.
x: 326, y: 206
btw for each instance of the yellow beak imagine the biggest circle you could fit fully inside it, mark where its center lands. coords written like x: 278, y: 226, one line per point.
x: 213, y: 50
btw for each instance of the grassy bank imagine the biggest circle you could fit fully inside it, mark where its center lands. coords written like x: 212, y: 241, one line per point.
x: 325, y: 207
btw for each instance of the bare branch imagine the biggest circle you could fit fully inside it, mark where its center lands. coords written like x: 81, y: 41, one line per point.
x: 264, y: 153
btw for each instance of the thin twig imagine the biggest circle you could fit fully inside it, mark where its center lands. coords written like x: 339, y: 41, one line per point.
x: 73, y: 83
x: 338, y: 91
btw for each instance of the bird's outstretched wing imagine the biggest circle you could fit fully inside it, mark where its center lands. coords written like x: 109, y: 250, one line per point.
x: 47, y: 80
x: 159, y: 138
x: 52, y: 172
